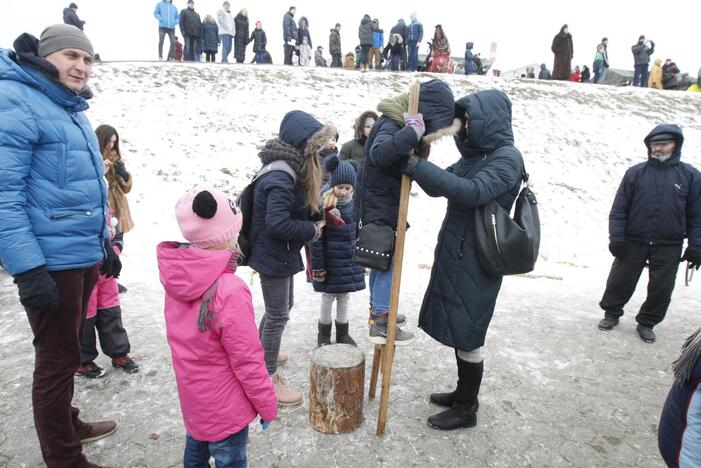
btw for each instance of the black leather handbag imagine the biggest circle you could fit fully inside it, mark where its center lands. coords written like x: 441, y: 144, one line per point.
x: 374, y: 247
x: 505, y: 245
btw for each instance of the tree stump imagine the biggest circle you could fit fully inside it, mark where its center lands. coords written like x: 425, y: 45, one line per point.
x: 336, y: 388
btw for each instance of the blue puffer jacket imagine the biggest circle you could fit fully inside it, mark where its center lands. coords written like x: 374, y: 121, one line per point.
x: 333, y: 252
x: 460, y: 297
x: 659, y: 203
x: 388, y: 145
x: 679, y: 434
x: 53, y: 197
x: 167, y: 15
x: 414, y: 33
x: 378, y: 39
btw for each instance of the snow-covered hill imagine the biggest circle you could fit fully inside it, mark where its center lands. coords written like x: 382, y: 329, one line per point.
x: 557, y: 392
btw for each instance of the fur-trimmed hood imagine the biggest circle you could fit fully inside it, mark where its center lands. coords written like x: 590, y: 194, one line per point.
x: 304, y: 132
x: 359, y: 125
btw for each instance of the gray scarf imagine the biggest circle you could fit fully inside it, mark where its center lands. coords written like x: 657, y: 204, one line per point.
x: 276, y: 150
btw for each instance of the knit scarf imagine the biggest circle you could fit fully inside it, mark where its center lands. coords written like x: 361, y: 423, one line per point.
x: 276, y: 150
x: 205, y: 319
x: 691, y: 352
x: 395, y: 108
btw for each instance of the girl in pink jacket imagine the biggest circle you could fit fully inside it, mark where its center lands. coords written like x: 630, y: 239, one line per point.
x: 218, y: 360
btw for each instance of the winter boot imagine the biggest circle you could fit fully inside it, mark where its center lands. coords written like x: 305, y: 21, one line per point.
x: 90, y: 370
x: 463, y: 413
x: 608, y: 322
x: 342, y: 336
x: 125, y: 363
x: 323, y: 338
x: 378, y: 332
x: 401, y: 318
x: 285, y: 395
x: 645, y: 333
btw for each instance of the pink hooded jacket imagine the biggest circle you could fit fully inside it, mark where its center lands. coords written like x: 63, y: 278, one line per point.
x: 222, y: 380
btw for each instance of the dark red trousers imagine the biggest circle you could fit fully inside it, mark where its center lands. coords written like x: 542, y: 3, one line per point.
x: 57, y: 356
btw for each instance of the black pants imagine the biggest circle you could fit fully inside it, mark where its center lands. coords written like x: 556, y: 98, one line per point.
x: 171, y: 37
x: 190, y: 48
x: 336, y: 60
x: 663, y: 264
x: 404, y: 58
x: 209, y: 55
x: 114, y: 340
x: 289, y: 51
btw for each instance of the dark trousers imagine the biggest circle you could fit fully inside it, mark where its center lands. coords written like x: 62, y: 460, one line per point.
x: 57, y: 356
x: 289, y: 51
x: 365, y: 54
x: 171, y: 37
x: 404, y: 58
x: 210, y: 55
x: 663, y: 265
x: 336, y: 60
x: 190, y: 48
x: 640, y: 75
x: 114, y: 340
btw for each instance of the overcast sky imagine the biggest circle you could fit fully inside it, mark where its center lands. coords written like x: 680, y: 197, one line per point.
x: 127, y: 30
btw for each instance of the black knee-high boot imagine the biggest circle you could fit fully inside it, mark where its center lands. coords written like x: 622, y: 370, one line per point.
x: 463, y: 413
x: 445, y: 398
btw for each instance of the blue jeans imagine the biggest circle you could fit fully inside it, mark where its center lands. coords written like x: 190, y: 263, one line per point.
x: 226, y: 47
x: 227, y: 453
x: 380, y: 290
x: 189, y: 48
x: 640, y: 76
x: 260, y: 57
x: 413, y: 60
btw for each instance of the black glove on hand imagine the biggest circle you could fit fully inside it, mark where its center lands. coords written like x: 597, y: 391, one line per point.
x: 693, y: 256
x: 617, y: 249
x: 410, y: 164
x: 37, y: 289
x: 111, y: 265
x: 121, y: 171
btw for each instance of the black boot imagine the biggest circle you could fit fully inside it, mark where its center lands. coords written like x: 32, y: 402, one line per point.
x: 324, y: 336
x: 445, y: 399
x: 463, y: 413
x: 342, y: 336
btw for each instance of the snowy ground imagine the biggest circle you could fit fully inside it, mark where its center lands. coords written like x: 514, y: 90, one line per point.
x: 557, y: 392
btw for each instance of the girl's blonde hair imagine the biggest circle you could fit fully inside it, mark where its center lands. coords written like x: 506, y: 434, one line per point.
x: 311, y: 170
x: 329, y: 198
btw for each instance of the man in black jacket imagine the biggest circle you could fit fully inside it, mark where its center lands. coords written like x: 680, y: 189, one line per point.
x: 191, y: 28
x: 70, y: 16
x: 657, y: 205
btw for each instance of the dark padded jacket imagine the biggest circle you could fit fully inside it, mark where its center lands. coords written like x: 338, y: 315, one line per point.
x: 659, y: 203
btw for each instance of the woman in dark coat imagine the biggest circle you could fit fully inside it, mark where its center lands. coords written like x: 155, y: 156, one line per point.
x: 564, y: 50
x: 303, y: 31
x: 460, y: 297
x: 354, y: 149
x: 210, y: 38
x: 241, y: 39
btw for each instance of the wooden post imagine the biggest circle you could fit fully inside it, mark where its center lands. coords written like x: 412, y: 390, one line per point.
x: 376, y: 359
x: 336, y: 388
x: 388, y: 349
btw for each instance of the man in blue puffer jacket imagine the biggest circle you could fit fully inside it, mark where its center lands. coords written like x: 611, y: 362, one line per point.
x: 414, y: 36
x: 168, y: 18
x: 53, y: 220
x: 657, y: 205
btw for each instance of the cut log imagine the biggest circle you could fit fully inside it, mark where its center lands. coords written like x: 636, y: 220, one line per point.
x: 336, y: 388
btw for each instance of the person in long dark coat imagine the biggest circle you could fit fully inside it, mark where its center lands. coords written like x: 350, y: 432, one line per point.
x: 564, y: 50
x: 241, y: 38
x: 460, y: 297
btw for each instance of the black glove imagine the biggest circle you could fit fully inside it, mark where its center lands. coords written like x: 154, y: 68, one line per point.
x: 693, y: 256
x: 410, y: 164
x: 111, y: 265
x: 121, y: 171
x: 617, y: 249
x: 37, y: 289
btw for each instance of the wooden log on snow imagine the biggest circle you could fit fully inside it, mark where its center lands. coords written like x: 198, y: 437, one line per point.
x: 336, y: 388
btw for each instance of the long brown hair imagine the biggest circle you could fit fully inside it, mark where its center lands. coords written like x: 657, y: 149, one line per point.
x: 104, y: 134
x: 311, y: 179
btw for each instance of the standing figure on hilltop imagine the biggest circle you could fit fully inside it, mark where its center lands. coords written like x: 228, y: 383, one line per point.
x: 191, y: 29
x: 414, y: 36
x: 564, y: 51
x: 365, y: 35
x: 470, y: 67
x: 544, y: 73
x: 305, y: 53
x: 260, y: 41
x: 226, y: 30
x: 396, y: 135
x: 53, y: 221
x: 70, y: 16
x: 241, y: 38
x: 210, y: 38
x: 378, y: 42
x: 459, y: 301
x: 440, y: 59
x: 354, y: 150
x: 400, y: 28
x: 285, y: 216
x: 334, y: 274
x: 217, y: 357
x: 642, y: 51
x: 167, y: 15
x: 303, y: 31
x: 604, y: 45
x: 599, y: 64
x: 335, y: 46
x: 656, y: 76
x: 657, y: 205
x: 394, y: 53
x: 289, y: 34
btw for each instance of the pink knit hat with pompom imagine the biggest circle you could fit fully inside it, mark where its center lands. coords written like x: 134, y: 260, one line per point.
x: 207, y: 217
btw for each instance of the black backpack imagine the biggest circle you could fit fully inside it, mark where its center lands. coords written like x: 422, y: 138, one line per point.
x: 245, y: 203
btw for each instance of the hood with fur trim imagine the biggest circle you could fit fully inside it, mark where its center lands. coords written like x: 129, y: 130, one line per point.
x: 359, y: 125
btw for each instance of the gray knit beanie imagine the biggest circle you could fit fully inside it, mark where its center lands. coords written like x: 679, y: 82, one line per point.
x: 63, y: 36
